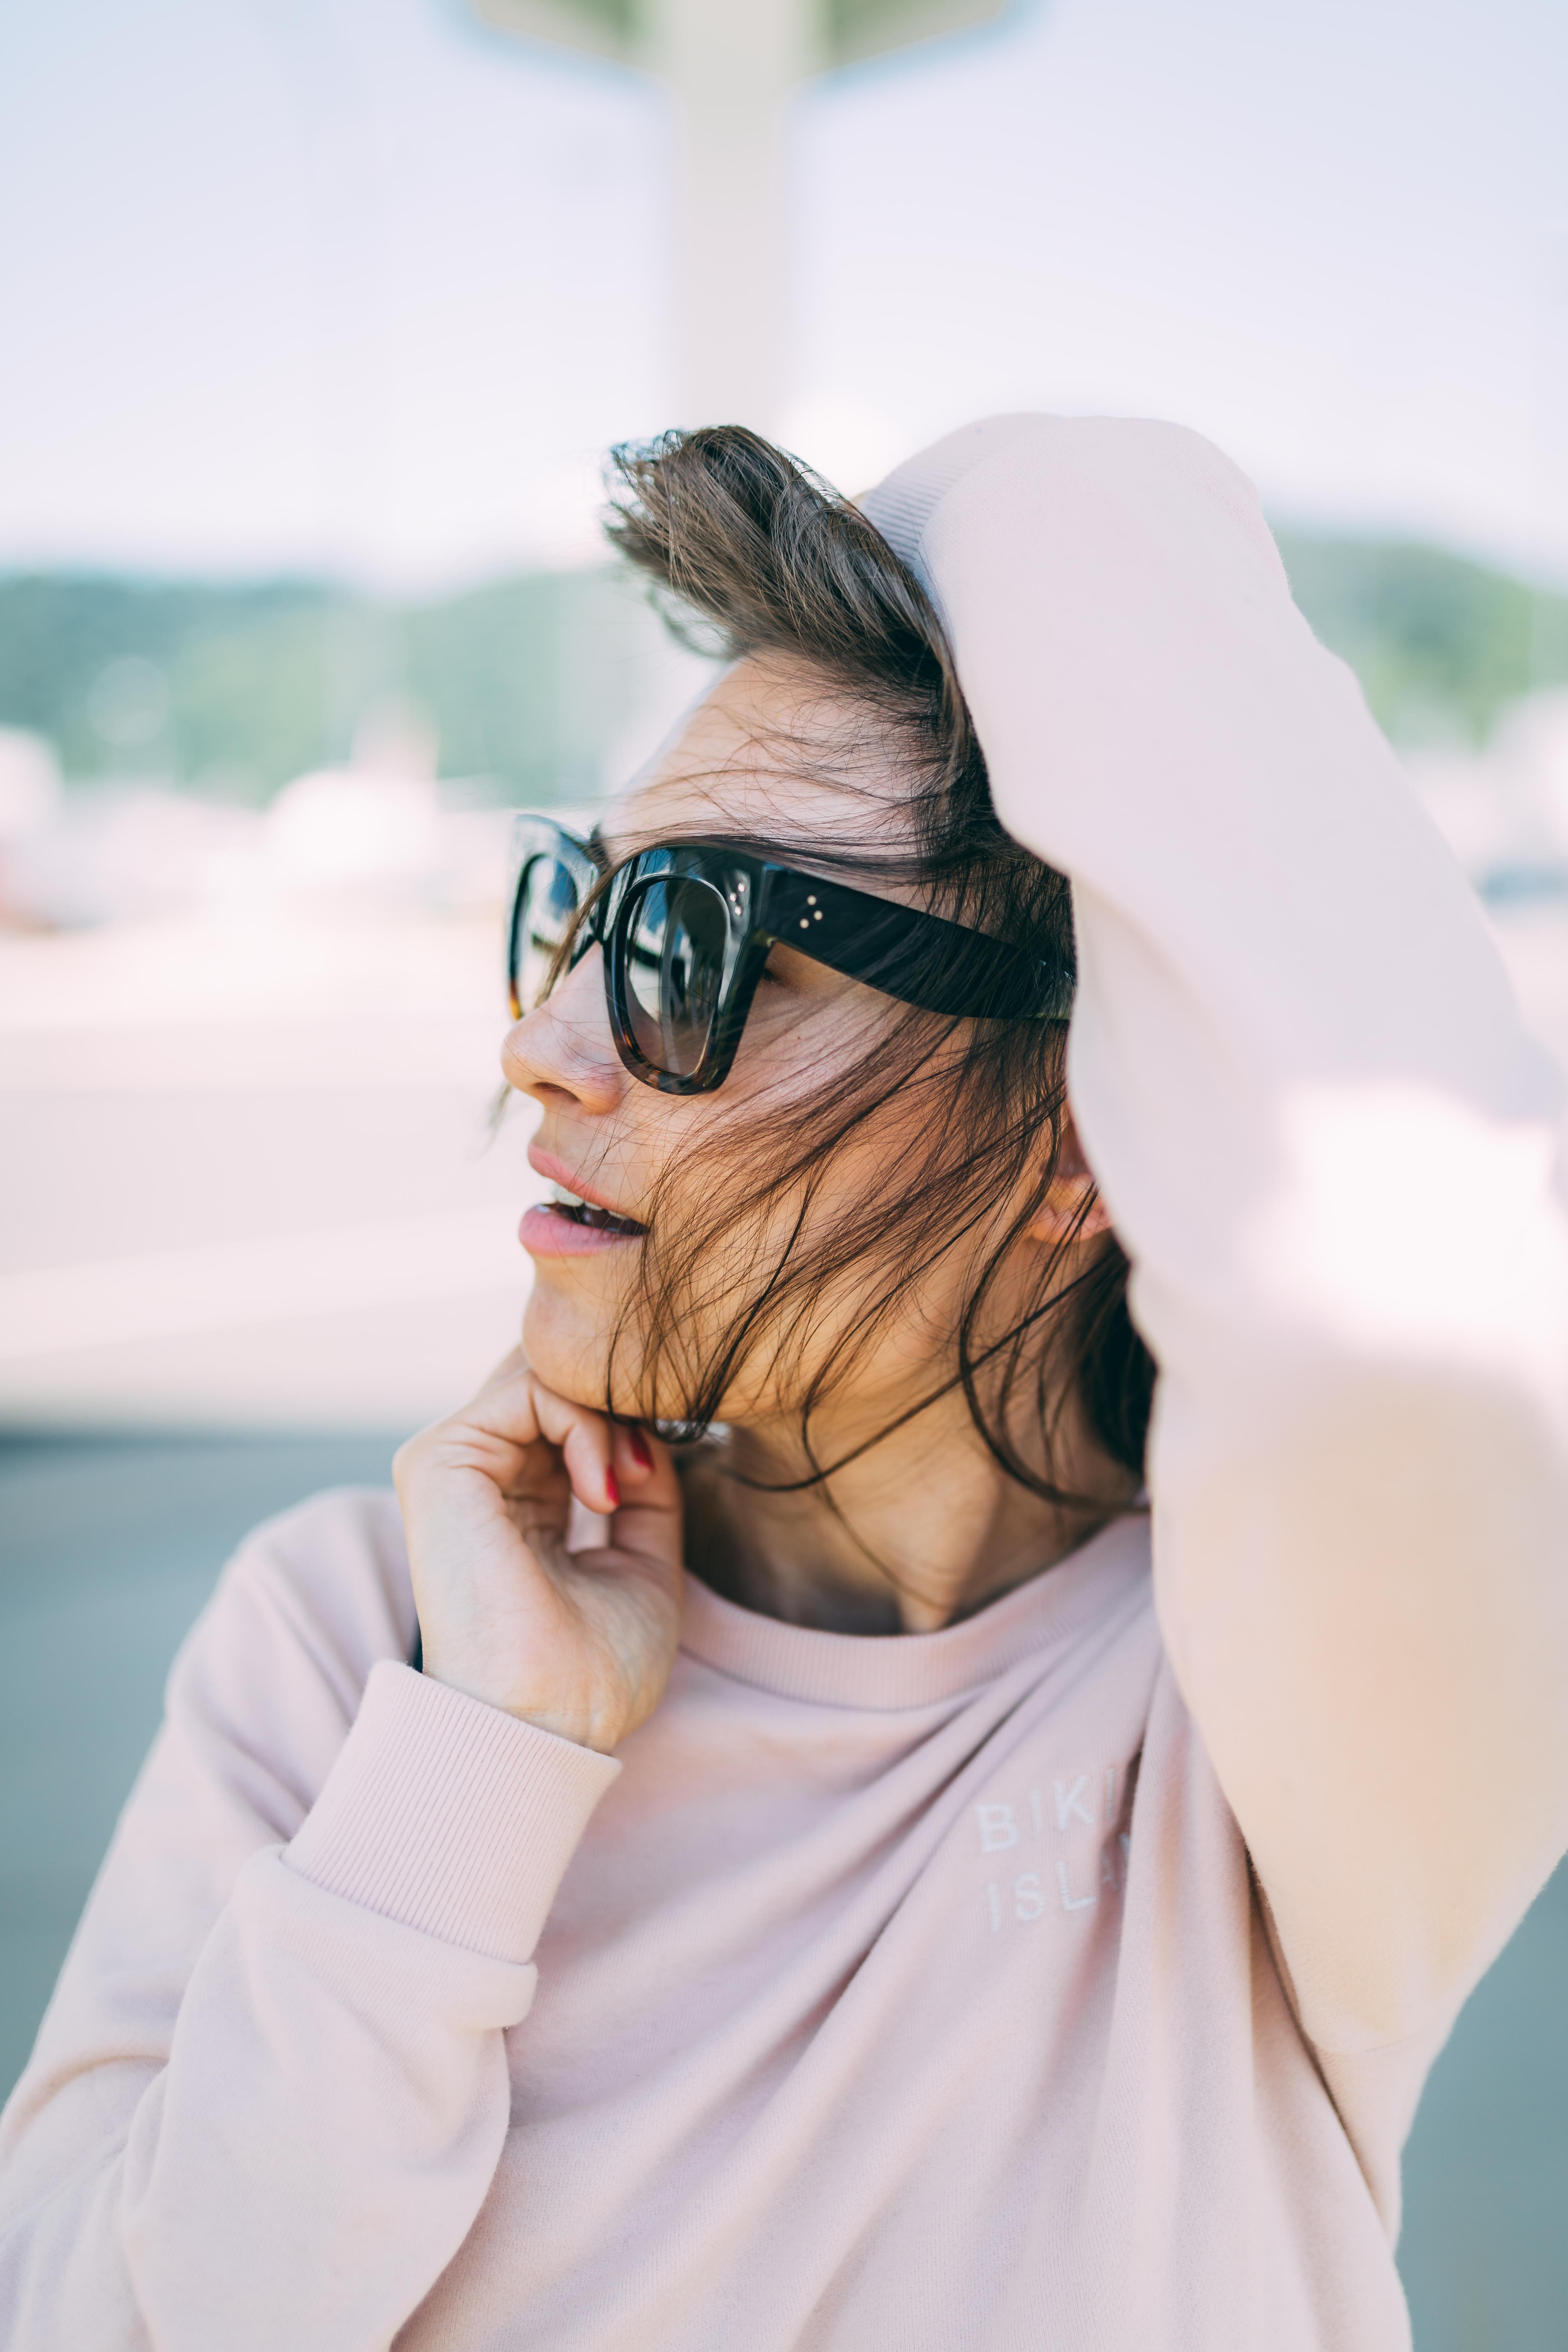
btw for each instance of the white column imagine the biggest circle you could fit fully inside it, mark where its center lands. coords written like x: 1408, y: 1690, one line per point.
x: 731, y: 67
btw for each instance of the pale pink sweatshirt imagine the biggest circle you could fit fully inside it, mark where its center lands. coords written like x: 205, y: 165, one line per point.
x: 1067, y: 1977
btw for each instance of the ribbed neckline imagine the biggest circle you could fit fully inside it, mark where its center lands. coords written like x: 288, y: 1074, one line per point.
x: 887, y: 1671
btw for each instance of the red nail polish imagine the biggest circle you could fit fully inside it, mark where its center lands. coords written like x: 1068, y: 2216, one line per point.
x: 612, y: 1491
x: 640, y: 1450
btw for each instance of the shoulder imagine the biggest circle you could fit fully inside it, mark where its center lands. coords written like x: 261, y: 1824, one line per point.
x: 274, y: 1669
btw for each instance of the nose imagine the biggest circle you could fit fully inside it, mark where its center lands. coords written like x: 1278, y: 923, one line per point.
x: 562, y: 1053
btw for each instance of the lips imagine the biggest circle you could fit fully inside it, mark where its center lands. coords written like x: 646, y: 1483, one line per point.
x: 570, y: 1206
x: 572, y: 1222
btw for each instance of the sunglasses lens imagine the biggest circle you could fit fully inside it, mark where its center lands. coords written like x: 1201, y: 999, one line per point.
x: 546, y: 910
x: 675, y: 964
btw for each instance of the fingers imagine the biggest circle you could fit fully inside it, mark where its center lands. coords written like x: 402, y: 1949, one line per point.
x: 609, y: 1463
x: 585, y: 1442
x: 632, y: 1457
x: 618, y: 1469
x: 648, y: 1522
x: 611, y: 1466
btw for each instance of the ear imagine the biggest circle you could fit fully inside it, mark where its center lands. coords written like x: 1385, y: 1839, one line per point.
x: 1061, y: 1214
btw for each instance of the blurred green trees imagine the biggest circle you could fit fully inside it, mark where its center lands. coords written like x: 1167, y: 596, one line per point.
x: 1439, y: 643
x: 530, y: 681
x: 234, y: 689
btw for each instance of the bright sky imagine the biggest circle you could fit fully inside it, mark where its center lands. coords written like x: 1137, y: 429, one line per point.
x: 352, y: 283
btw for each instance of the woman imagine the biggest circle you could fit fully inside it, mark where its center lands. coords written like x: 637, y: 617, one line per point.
x: 908, y: 1928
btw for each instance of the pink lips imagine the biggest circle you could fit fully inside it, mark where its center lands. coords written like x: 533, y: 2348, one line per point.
x: 544, y: 1233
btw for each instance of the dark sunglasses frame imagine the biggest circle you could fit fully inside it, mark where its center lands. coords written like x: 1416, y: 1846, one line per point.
x: 887, y: 947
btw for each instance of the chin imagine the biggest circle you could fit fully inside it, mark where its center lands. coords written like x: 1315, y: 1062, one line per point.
x: 565, y: 1345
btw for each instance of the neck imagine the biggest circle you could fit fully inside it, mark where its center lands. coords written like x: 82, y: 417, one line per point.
x: 923, y: 1529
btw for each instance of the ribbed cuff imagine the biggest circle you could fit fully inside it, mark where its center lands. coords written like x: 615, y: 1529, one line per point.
x: 449, y: 1816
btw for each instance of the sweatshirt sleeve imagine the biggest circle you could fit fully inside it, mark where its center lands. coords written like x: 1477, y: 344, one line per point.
x: 1329, y: 1147
x: 271, y: 2090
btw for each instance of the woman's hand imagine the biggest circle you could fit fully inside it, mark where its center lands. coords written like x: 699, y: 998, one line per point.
x: 579, y: 1643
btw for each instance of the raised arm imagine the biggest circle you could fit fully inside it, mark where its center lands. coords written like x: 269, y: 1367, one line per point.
x: 1328, y: 1147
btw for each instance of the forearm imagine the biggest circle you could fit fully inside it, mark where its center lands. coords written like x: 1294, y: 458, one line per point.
x: 303, y: 2168
x: 334, y: 2096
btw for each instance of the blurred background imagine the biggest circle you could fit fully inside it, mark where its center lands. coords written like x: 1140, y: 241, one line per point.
x: 319, y: 315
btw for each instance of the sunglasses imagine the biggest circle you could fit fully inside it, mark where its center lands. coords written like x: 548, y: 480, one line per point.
x: 686, y: 928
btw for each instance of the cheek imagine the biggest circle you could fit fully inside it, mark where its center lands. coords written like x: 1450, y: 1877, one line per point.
x: 802, y: 1034
x: 849, y: 1264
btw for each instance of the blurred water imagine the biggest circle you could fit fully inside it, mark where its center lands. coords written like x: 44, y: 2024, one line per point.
x: 109, y: 1545
x: 1485, y: 2246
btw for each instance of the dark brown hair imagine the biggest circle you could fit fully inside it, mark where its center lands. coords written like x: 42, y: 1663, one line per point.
x: 751, y: 554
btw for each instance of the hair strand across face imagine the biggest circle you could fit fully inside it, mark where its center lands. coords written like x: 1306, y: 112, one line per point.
x: 954, y: 1128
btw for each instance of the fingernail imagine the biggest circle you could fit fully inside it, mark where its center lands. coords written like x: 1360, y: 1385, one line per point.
x: 612, y: 1491
x: 639, y: 1448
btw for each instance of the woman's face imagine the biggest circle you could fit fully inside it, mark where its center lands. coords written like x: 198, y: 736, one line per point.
x: 623, y: 1146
